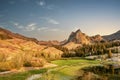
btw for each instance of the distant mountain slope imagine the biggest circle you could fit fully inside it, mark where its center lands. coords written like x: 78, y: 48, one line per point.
x: 6, y: 34
x: 96, y: 38
x: 49, y: 43
x: 114, y: 36
x: 71, y: 45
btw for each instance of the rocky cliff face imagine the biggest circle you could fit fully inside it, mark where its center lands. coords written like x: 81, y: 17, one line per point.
x: 96, y: 38
x: 79, y: 37
x: 114, y: 36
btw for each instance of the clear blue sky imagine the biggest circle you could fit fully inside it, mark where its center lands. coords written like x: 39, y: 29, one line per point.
x: 56, y: 19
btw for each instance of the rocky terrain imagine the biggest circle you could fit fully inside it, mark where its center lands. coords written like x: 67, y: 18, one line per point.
x: 17, y: 51
x: 78, y: 38
x: 81, y: 38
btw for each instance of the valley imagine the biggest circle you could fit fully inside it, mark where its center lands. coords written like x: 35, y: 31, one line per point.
x: 59, y: 39
x: 24, y: 58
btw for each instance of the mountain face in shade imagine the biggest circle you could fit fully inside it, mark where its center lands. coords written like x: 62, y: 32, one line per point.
x: 114, y: 36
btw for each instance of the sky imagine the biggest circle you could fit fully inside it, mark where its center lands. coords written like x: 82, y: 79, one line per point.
x: 56, y: 19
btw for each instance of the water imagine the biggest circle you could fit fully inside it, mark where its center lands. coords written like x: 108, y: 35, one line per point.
x: 33, y: 77
x: 102, y: 72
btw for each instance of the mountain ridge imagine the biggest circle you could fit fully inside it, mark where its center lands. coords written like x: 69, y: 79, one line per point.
x: 77, y: 37
x: 7, y: 34
x: 113, y: 36
x: 81, y: 38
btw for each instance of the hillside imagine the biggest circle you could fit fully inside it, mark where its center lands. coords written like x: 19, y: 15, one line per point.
x: 6, y: 34
x: 49, y: 43
x: 71, y: 45
x: 18, y: 51
x: 114, y: 36
x: 81, y: 38
x: 78, y: 38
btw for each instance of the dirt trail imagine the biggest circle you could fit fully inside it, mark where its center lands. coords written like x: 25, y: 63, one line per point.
x: 36, y: 76
x: 22, y: 69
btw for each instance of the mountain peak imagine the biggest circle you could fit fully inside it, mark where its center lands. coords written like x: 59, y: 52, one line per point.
x: 118, y: 31
x: 78, y: 37
x: 78, y: 31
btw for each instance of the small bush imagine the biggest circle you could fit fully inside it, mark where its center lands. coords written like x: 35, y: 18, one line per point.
x: 37, y: 62
x: 27, y: 64
x: 6, y: 66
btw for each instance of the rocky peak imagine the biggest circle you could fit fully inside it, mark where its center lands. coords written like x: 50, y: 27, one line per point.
x: 78, y: 37
x: 78, y: 31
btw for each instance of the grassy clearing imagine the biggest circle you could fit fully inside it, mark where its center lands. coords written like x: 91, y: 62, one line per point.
x: 67, y: 69
x: 74, y: 62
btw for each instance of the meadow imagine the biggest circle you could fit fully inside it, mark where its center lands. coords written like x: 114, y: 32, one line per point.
x: 66, y: 69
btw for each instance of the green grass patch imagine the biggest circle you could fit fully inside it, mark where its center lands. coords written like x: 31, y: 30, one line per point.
x: 67, y: 69
x: 74, y: 61
x: 22, y: 75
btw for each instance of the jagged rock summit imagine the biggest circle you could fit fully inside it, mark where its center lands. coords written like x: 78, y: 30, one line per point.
x: 79, y: 37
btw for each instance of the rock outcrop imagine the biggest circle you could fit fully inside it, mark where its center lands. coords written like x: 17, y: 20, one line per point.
x: 79, y: 37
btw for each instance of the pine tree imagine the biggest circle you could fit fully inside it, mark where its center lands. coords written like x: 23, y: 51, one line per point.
x: 109, y: 53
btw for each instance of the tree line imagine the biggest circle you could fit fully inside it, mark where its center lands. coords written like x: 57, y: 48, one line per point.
x: 91, y: 49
